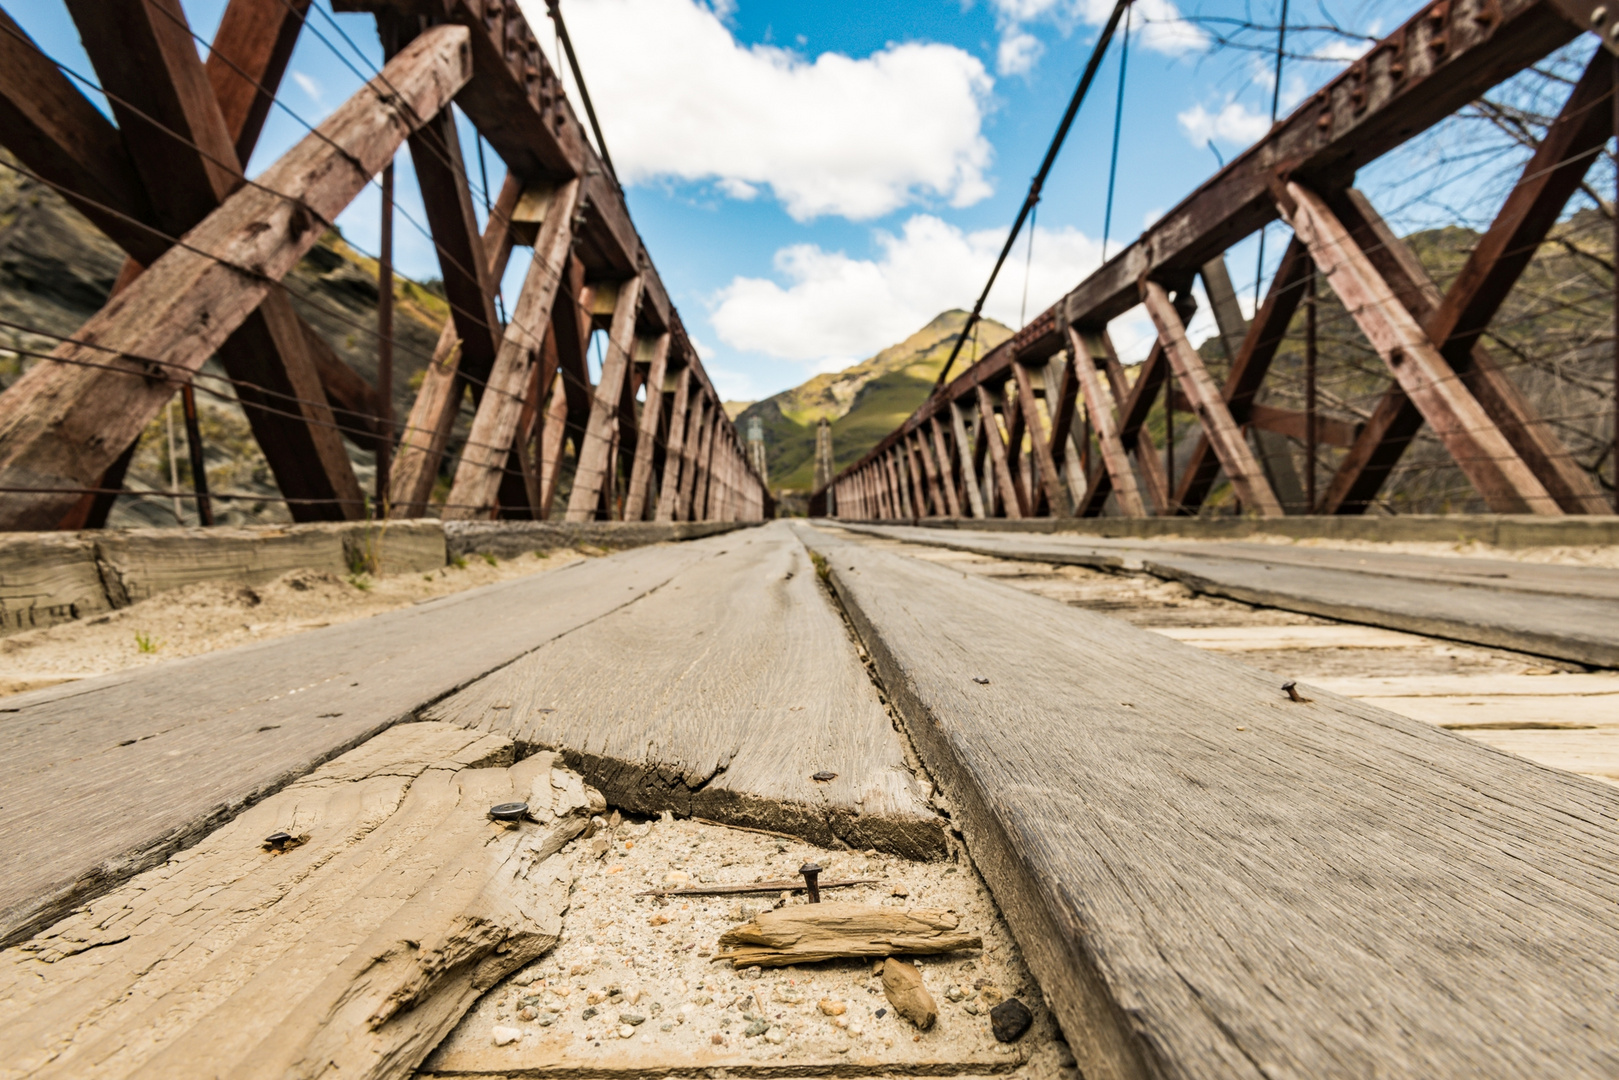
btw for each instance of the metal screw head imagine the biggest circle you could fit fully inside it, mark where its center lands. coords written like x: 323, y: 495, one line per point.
x: 508, y: 811
x: 1292, y: 688
x: 278, y: 841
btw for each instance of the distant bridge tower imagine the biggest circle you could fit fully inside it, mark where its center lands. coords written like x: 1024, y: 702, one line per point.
x: 823, y: 462
x: 756, y: 449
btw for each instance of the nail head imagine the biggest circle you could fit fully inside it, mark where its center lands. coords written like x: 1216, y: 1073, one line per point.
x: 508, y: 811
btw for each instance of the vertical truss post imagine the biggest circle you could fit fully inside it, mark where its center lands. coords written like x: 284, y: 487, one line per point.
x: 385, y: 343
x: 964, y: 453
x: 427, y: 432
x: 635, y: 502
x: 1209, y: 406
x: 997, y: 455
x: 1088, y: 349
x: 1050, y: 477
x: 674, y: 454
x: 1063, y: 404
x: 199, y: 464
x: 475, y: 491
x: 1310, y: 434
x: 942, y: 453
x: 594, y: 475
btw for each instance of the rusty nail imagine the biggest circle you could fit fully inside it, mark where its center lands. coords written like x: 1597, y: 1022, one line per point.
x: 1292, y: 688
x: 811, y: 871
x: 278, y: 841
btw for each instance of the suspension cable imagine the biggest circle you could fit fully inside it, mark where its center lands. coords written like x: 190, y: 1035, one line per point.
x: 1038, y: 182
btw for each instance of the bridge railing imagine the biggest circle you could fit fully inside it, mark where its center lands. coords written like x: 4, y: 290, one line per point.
x: 208, y: 248
x: 1051, y: 422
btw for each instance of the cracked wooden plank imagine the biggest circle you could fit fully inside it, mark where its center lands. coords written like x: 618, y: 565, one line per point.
x: 354, y: 950
x: 721, y: 695
x: 1210, y: 880
x: 107, y: 777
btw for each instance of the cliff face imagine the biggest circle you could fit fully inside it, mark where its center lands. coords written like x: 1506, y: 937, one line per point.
x: 57, y: 269
x: 864, y: 402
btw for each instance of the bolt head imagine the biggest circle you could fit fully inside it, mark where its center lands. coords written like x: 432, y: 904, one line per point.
x: 508, y: 811
x: 810, y: 868
x: 277, y: 841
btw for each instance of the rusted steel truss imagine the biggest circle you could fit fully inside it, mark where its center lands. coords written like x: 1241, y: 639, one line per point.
x: 207, y: 248
x: 1087, y: 446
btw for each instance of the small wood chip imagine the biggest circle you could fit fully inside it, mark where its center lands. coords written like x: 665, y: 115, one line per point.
x: 806, y: 933
x: 903, y: 985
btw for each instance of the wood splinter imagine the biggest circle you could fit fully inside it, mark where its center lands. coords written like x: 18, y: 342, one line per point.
x: 810, y: 933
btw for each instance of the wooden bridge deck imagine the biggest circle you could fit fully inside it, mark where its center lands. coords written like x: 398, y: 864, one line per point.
x: 1567, y: 612
x: 1206, y: 878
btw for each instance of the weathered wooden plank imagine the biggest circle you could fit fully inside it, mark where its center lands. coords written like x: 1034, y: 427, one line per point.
x: 483, y: 460
x: 106, y: 777
x: 1186, y: 857
x: 65, y: 421
x: 357, y: 948
x: 1564, y: 612
x: 48, y: 579
x: 1473, y: 439
x: 723, y: 695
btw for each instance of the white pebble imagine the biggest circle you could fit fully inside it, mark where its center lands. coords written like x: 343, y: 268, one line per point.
x: 625, y: 1031
x: 775, y: 1036
x: 507, y: 1035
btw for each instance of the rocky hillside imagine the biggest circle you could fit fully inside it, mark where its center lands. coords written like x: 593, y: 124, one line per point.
x: 56, y: 270
x: 864, y: 402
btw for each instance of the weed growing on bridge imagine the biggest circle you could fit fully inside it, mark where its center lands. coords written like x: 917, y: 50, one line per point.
x: 146, y: 643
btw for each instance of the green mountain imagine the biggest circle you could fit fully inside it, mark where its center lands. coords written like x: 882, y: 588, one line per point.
x: 864, y: 402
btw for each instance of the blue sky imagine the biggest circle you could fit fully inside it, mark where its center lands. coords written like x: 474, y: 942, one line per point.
x: 817, y: 180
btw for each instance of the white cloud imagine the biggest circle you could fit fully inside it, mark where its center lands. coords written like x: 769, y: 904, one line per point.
x: 308, y: 85
x: 1162, y: 29
x: 680, y: 98
x: 1234, y: 124
x: 1156, y: 25
x: 833, y: 307
x: 733, y: 385
x: 1342, y: 50
x: 1018, y: 53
